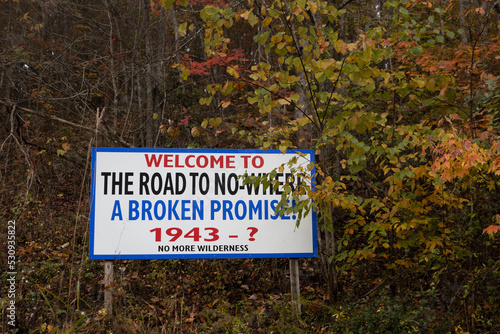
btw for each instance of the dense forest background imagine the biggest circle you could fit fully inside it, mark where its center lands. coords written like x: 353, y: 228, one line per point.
x: 399, y: 98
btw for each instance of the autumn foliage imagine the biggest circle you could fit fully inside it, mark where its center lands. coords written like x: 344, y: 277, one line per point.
x: 399, y: 99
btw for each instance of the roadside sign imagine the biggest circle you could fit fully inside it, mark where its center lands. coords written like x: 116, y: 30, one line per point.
x: 192, y: 203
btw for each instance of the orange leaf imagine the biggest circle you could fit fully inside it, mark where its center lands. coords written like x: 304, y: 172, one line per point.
x: 225, y: 103
x: 173, y: 132
x: 491, y: 229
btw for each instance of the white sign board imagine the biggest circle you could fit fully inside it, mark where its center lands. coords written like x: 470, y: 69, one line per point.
x: 191, y: 203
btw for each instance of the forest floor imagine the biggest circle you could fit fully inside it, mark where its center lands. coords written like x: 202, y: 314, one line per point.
x: 57, y: 289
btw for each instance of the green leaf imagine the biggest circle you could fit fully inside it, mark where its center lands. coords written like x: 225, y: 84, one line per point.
x: 182, y: 29
x: 263, y: 37
x: 416, y: 51
x: 252, y: 19
x: 185, y: 74
x: 167, y: 4
x: 357, y: 167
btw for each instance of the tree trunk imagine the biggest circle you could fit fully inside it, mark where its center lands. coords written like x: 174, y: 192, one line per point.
x: 463, y: 23
x: 149, y: 115
x: 113, y: 72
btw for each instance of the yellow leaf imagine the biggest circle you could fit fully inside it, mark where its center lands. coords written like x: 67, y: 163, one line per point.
x: 267, y: 21
x: 206, y: 100
x: 37, y: 27
x: 297, y: 10
x: 245, y: 14
x: 313, y: 7
x: 420, y: 82
x: 215, y: 122
x: 252, y: 19
x: 239, y: 85
x: 196, y: 132
x: 233, y: 71
x: 182, y: 29
x: 225, y: 103
x: 167, y: 4
x: 173, y: 131
x: 204, y: 124
x: 326, y: 63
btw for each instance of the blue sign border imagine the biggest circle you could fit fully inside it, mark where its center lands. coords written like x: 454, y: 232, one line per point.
x: 93, y: 256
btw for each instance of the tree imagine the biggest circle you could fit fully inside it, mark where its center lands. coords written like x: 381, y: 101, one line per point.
x: 370, y: 109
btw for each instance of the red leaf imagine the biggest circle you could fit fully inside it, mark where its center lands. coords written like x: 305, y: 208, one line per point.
x: 184, y: 121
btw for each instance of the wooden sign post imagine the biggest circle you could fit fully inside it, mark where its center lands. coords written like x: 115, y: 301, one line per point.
x: 108, y: 286
x: 196, y: 204
x: 295, y: 285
